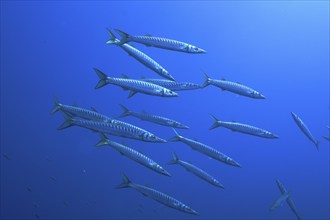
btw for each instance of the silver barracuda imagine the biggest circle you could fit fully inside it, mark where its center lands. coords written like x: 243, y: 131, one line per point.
x: 157, y: 196
x: 288, y: 200
x: 196, y: 171
x: 128, y: 131
x: 140, y: 56
x: 160, y: 42
x: 152, y: 118
x: 204, y: 149
x: 242, y: 128
x: 174, y: 85
x: 133, y: 155
x: 134, y: 85
x: 302, y: 126
x: 233, y: 87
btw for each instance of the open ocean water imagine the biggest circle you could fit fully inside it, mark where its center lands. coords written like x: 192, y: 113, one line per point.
x: 279, y: 48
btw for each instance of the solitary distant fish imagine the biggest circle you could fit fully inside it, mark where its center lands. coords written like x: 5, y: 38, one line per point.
x: 242, y: 128
x: 305, y: 130
x: 233, y: 87
x: 133, y: 155
x: 140, y: 56
x: 6, y: 156
x: 288, y: 200
x: 134, y: 85
x: 129, y: 131
x: 196, y: 171
x: 326, y: 138
x: 159, y: 42
x: 29, y: 189
x: 280, y: 200
x: 153, y: 118
x: 157, y: 196
x: 174, y: 85
x: 204, y: 149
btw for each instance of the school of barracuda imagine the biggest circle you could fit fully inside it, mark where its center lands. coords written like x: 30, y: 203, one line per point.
x: 168, y: 87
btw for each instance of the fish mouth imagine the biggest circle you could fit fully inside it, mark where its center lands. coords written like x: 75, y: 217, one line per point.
x: 159, y: 140
x: 262, y: 96
x: 164, y: 172
x: 183, y: 127
x: 169, y: 77
x: 275, y: 136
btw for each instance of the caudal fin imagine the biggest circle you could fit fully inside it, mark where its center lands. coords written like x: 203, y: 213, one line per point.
x: 113, y: 39
x: 126, y: 112
x: 123, y: 36
x: 216, y: 122
x: 103, y: 78
x: 104, y: 140
x: 207, y: 80
x: 126, y: 182
x: 175, y: 159
x: 177, y: 137
x: 57, y: 105
x: 67, y: 123
x: 317, y: 145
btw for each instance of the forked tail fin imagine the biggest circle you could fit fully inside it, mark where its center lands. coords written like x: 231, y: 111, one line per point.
x: 207, y: 80
x: 175, y: 159
x: 103, y: 78
x: 57, y: 106
x: 126, y: 112
x: 124, y: 37
x: 215, y: 123
x: 126, y: 182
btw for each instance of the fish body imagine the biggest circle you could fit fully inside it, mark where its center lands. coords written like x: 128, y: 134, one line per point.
x: 141, y: 57
x: 243, y: 128
x: 153, y: 118
x: 204, y: 149
x: 133, y: 155
x: 288, y: 200
x: 302, y: 126
x: 160, y: 42
x: 233, y: 87
x: 134, y: 85
x: 196, y: 171
x: 128, y: 131
x: 174, y: 85
x: 157, y: 196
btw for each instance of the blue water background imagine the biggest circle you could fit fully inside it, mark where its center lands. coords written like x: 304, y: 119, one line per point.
x: 49, y: 49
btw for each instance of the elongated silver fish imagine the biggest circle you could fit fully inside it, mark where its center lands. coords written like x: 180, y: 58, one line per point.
x: 233, y: 87
x: 160, y: 42
x: 80, y: 112
x: 134, y: 85
x: 288, y: 200
x: 152, y: 118
x: 174, y: 85
x: 204, y: 149
x: 157, y: 196
x: 133, y: 155
x: 302, y: 126
x: 280, y: 200
x: 129, y: 131
x: 242, y: 128
x: 196, y: 171
x: 140, y: 56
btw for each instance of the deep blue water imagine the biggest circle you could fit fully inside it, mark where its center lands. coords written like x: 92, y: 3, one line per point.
x: 49, y: 49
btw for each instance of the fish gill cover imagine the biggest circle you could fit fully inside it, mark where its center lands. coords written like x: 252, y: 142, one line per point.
x: 165, y: 110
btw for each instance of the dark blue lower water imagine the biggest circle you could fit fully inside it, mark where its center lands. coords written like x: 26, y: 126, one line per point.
x: 280, y: 48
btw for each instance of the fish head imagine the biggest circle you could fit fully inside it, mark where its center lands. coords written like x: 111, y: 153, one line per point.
x: 169, y: 93
x: 257, y: 95
x: 159, y: 169
x: 194, y: 49
x: 178, y: 125
x: 149, y: 137
x: 166, y: 74
x: 268, y: 134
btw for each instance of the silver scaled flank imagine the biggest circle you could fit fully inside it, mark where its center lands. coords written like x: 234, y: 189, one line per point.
x: 157, y: 196
x: 128, y: 131
x: 153, y: 118
x: 196, y: 171
x: 140, y: 56
x: 164, y: 43
x: 133, y: 155
x: 134, y: 85
x: 243, y: 128
x: 174, y: 85
x: 302, y: 126
x: 233, y: 87
x: 204, y: 149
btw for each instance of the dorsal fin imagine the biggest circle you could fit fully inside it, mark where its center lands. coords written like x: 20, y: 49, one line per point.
x: 125, y: 76
x: 93, y: 109
x: 148, y: 35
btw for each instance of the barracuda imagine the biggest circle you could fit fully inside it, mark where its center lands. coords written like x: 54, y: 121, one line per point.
x: 157, y: 196
x: 140, y: 56
x: 152, y: 118
x: 160, y: 42
x: 196, y: 171
x: 133, y: 155
x: 204, y: 149
x: 174, y: 85
x: 134, y: 85
x: 242, y: 128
